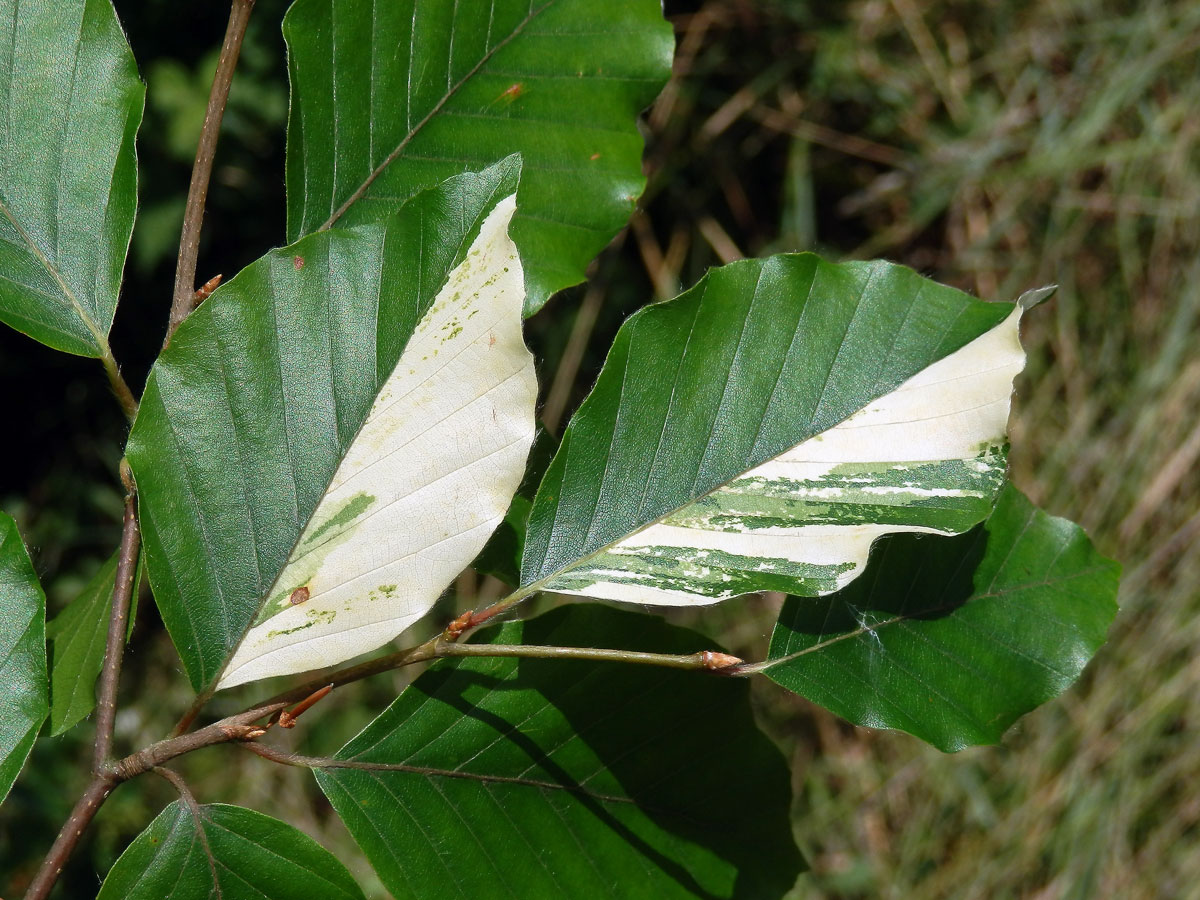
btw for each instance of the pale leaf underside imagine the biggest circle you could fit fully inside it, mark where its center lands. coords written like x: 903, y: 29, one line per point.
x: 428, y: 478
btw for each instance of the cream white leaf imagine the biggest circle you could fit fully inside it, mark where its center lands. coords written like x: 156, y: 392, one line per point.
x: 429, y: 476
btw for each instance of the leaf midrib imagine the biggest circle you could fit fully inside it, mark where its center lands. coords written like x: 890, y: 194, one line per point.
x: 361, y: 190
x: 97, y: 334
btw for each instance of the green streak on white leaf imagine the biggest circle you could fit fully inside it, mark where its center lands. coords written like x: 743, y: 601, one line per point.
x: 427, y: 479
x: 927, y: 457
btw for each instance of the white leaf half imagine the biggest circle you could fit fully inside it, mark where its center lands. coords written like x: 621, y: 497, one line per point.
x: 929, y: 457
x: 429, y: 476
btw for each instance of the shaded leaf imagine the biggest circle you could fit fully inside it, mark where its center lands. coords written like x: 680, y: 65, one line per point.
x: 77, y: 642
x: 551, y: 778
x: 307, y: 489
x: 231, y: 853
x: 391, y: 98
x: 761, y: 430
x: 73, y: 104
x: 953, y: 639
x: 22, y: 654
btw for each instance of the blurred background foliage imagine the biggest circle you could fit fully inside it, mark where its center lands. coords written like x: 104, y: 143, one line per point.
x: 996, y: 145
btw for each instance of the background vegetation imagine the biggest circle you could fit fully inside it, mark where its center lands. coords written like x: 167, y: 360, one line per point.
x: 993, y: 145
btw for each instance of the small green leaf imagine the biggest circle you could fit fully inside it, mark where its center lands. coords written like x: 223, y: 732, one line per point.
x: 330, y: 439
x: 391, y: 98
x: 78, y: 636
x: 73, y: 104
x: 953, y: 639
x: 231, y: 853
x: 22, y: 654
x: 552, y: 778
x: 761, y: 430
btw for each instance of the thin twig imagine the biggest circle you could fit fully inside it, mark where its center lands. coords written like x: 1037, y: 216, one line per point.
x: 81, y: 816
x: 110, y: 674
x: 124, y: 395
x: 193, y: 217
x: 234, y: 728
x: 705, y: 659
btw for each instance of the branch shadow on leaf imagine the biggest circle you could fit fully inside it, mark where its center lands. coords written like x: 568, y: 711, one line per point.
x: 682, y: 746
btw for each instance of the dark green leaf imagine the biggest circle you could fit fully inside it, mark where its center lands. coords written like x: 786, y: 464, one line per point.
x: 22, y: 654
x: 952, y: 639
x: 266, y: 390
x: 77, y: 641
x: 757, y: 432
x: 73, y: 104
x: 549, y: 778
x: 391, y: 98
x: 249, y: 855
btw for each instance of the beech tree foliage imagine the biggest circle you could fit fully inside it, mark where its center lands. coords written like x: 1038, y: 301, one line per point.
x: 334, y: 434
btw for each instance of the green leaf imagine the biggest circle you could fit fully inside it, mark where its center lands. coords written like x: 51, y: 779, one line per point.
x: 229, y: 853
x: 331, y: 437
x: 551, y: 778
x: 391, y: 98
x: 73, y: 104
x: 22, y: 654
x: 78, y: 636
x: 761, y: 430
x: 953, y: 639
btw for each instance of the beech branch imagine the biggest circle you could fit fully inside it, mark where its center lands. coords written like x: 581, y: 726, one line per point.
x: 183, y: 300
x: 118, y: 619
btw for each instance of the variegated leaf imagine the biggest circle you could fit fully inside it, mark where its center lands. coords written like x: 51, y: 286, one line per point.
x: 926, y: 454
x: 332, y: 436
x: 428, y: 478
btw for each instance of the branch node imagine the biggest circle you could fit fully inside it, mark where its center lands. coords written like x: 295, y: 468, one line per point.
x: 287, y: 718
x: 716, y: 662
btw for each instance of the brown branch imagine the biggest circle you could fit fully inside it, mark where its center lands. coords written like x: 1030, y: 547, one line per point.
x: 193, y: 217
x: 81, y: 816
x: 235, y: 728
x: 110, y: 674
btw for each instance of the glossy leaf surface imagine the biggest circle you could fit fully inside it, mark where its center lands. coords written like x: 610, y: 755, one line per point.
x: 22, y: 654
x: 332, y: 436
x: 391, y: 98
x: 229, y: 853
x: 556, y: 778
x: 761, y: 430
x: 953, y: 639
x: 73, y: 104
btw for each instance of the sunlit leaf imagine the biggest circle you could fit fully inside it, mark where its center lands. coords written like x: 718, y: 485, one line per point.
x: 953, y: 639
x: 68, y: 194
x: 763, y: 429
x: 333, y: 435
x: 390, y: 98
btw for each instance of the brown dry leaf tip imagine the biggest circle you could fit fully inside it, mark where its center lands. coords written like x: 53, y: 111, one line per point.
x: 287, y: 718
x: 298, y: 262
x: 456, y: 628
x: 299, y: 595
x: 714, y: 661
x: 205, y: 290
